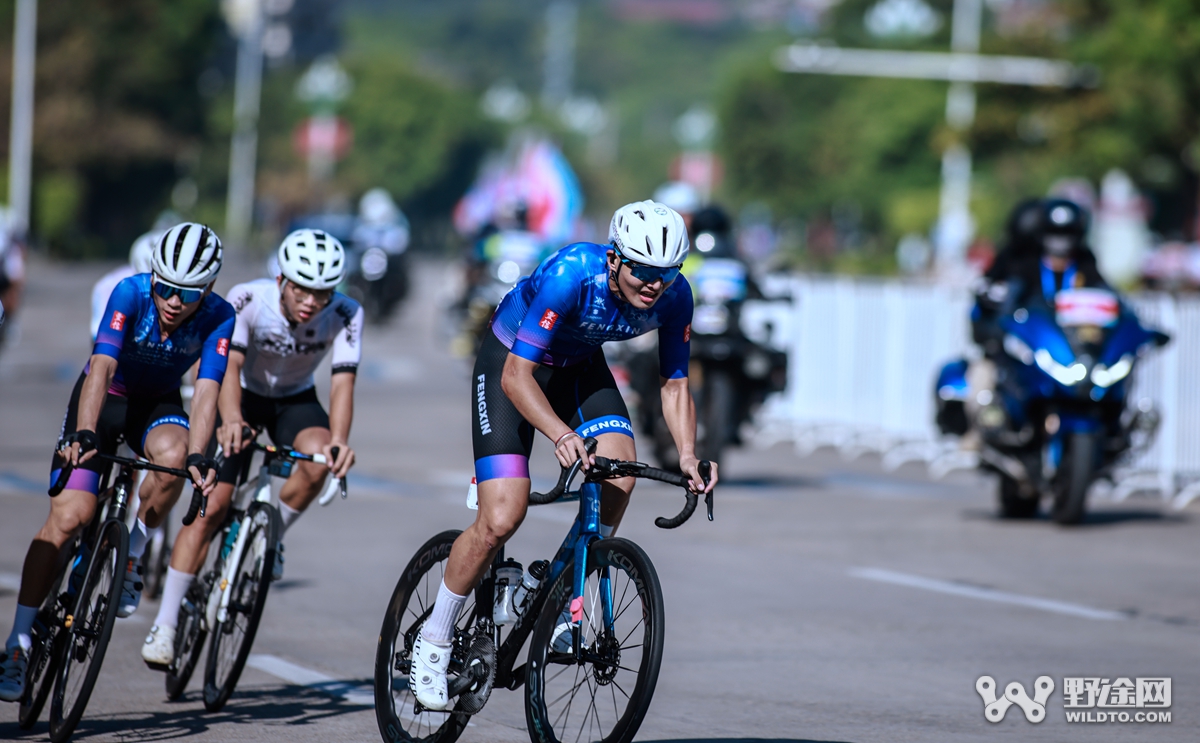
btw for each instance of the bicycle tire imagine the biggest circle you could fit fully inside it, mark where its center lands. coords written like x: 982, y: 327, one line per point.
x: 90, y: 626
x: 616, y: 557
x: 190, y: 635
x: 230, y: 641
x: 45, y: 654
x: 395, y: 706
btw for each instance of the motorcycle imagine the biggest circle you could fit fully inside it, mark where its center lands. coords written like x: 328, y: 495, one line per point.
x: 377, y: 271
x: 733, y: 365
x: 503, y: 258
x: 1058, y: 417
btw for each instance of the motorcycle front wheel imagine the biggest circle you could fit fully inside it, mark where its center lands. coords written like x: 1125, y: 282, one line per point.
x: 1074, y: 477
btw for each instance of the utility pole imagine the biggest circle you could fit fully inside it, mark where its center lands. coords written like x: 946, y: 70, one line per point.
x: 559, y: 65
x: 20, y: 142
x: 245, y: 18
x: 963, y: 67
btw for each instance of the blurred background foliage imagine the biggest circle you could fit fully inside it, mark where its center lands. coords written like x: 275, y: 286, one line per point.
x: 134, y: 112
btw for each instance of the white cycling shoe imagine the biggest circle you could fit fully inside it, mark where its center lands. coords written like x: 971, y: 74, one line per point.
x: 159, y: 648
x: 427, y: 676
x: 13, y: 666
x: 561, y: 640
x: 131, y: 592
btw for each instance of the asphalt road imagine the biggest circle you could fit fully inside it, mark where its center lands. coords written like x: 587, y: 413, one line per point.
x: 829, y: 601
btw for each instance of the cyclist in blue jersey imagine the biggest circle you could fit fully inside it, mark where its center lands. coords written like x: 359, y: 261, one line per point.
x: 541, y: 368
x: 154, y: 328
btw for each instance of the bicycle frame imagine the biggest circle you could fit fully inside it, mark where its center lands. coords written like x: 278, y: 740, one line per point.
x: 217, y: 610
x: 583, y: 532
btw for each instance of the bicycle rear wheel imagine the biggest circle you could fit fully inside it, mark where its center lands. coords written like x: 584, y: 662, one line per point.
x: 605, y: 696
x: 190, y: 635
x: 156, y: 560
x: 232, y: 639
x: 88, y: 628
x: 416, y: 591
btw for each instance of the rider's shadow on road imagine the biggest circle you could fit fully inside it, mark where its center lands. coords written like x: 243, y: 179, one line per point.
x: 273, y: 705
x: 742, y: 740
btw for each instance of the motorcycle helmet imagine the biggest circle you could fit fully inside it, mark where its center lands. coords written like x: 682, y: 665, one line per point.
x: 1021, y: 231
x: 312, y: 258
x: 1063, y: 227
x: 713, y: 232
x: 649, y: 233
x: 377, y: 207
x: 189, y: 254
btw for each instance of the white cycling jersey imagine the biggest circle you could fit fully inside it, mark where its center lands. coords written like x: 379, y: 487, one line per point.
x: 280, y: 358
x: 103, y: 290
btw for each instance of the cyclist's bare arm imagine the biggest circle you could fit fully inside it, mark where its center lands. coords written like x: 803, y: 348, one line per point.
x: 341, y: 414
x: 679, y: 411
x: 229, y: 436
x: 201, y: 420
x: 529, y: 400
x: 91, y: 401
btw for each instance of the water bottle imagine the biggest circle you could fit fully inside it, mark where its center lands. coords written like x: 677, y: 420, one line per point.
x: 529, y: 583
x: 230, y: 538
x: 508, y: 577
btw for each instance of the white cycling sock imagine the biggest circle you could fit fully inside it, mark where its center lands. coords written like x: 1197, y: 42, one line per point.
x: 137, y: 539
x: 606, y: 531
x: 439, y: 628
x: 22, y: 628
x: 175, y: 587
x: 288, y: 516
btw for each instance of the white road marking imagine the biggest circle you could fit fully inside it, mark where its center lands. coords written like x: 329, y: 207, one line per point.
x: 301, y: 676
x: 986, y: 594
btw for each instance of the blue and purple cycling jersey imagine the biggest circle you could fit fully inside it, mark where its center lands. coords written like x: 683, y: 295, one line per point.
x: 148, y: 365
x: 565, y: 310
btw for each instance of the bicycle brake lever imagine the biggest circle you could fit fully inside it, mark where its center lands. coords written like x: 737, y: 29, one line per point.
x: 706, y: 475
x: 203, y: 505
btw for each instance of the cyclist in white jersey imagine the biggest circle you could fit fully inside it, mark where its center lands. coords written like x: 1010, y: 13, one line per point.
x: 139, y: 262
x: 285, y: 328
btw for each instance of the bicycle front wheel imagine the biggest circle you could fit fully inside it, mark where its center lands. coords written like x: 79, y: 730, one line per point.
x: 395, y: 705
x: 44, y: 657
x: 604, y: 694
x: 88, y: 629
x: 231, y: 639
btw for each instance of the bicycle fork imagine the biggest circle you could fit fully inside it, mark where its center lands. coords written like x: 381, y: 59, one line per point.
x: 588, y: 531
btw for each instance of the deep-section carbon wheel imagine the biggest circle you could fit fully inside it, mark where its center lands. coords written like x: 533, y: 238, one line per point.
x: 87, y: 629
x: 230, y: 641
x: 48, y: 638
x: 395, y: 706
x: 604, y: 695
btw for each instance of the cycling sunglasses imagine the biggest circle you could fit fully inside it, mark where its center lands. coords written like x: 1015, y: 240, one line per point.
x: 649, y: 274
x: 186, y: 294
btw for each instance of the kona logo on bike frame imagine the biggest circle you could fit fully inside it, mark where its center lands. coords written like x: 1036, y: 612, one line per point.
x: 485, y: 425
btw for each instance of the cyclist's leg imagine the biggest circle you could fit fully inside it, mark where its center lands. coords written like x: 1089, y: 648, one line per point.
x: 301, y: 423
x: 593, y: 407
x: 70, y: 511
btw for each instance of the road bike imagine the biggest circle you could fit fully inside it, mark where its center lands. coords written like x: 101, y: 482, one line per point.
x: 224, y: 605
x: 595, y: 614
x: 75, y: 622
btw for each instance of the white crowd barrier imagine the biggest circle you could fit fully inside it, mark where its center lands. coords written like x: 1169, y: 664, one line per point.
x: 864, y: 355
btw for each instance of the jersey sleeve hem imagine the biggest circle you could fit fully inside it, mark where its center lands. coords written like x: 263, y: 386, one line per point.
x: 344, y: 369
x: 107, y: 349
x: 527, y: 351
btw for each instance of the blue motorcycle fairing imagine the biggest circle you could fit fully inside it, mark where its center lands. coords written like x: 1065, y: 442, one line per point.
x: 1128, y: 337
x: 952, y: 380
x: 1041, y: 331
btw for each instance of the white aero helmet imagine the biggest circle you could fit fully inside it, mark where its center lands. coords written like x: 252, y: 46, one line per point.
x: 142, y: 252
x: 377, y: 207
x: 188, y: 254
x: 650, y: 233
x: 313, y: 259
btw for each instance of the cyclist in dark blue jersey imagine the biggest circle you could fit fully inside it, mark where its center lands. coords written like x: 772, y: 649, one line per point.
x: 541, y: 368
x: 154, y: 328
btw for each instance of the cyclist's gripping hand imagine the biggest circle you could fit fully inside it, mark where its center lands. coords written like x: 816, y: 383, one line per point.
x: 229, y: 436
x: 570, y: 449
x: 79, y: 447
x: 691, y: 468
x: 204, y: 473
x: 344, y: 460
